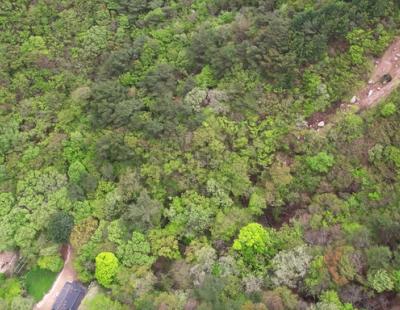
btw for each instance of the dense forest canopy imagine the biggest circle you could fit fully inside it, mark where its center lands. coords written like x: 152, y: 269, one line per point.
x: 167, y: 143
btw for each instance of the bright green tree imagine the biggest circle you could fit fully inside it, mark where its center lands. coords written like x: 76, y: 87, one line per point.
x: 321, y: 162
x: 255, y: 245
x: 106, y: 268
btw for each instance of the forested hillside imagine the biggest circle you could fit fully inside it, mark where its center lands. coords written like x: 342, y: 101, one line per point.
x: 168, y: 143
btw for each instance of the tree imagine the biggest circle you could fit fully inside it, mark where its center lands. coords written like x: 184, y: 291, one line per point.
x: 164, y: 244
x: 9, y: 288
x: 6, y: 203
x: 145, y: 213
x: 321, y: 162
x: 106, y: 268
x: 317, y: 277
x: 82, y: 232
x: 53, y: 263
x: 75, y: 171
x: 135, y: 252
x: 191, y: 214
x: 380, y: 280
x: 101, y: 301
x: 257, y: 203
x: 255, y: 245
x: 228, y: 222
x: 22, y: 303
x: 290, y: 266
x: 60, y: 227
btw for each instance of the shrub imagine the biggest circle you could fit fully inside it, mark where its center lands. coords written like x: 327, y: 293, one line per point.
x: 290, y: 266
x: 106, y: 268
x: 321, y: 162
x: 388, y: 109
x: 396, y: 280
x: 75, y: 171
x: 135, y: 252
x: 53, y: 263
x: 380, y: 280
x: 317, y: 278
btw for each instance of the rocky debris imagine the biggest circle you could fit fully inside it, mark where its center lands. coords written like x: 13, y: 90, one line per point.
x: 370, y: 82
x: 353, y: 100
x: 370, y: 92
x: 398, y: 55
x: 321, y: 124
x: 386, y: 78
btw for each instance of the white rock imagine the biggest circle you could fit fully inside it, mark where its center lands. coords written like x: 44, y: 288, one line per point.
x: 354, y: 100
x: 398, y: 55
x: 370, y: 82
x: 379, y: 88
x: 321, y: 124
x: 370, y: 92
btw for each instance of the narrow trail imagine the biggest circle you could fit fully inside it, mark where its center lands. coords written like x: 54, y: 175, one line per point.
x: 67, y: 274
x: 374, y: 91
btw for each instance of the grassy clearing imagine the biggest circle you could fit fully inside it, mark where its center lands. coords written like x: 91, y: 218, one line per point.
x: 38, y: 282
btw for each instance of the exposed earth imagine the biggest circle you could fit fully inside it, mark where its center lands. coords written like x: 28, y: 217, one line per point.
x: 67, y: 274
x: 374, y: 91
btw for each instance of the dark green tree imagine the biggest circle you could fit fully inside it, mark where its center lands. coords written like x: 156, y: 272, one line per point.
x: 60, y: 227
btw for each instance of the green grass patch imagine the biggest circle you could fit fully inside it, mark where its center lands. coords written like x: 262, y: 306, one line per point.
x: 38, y: 282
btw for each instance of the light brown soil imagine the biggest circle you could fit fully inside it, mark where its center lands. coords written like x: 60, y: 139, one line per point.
x: 67, y: 274
x: 389, y: 63
x: 374, y: 91
x: 8, y: 261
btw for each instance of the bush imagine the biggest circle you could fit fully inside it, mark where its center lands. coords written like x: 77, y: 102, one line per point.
x: 75, y: 171
x: 290, y: 266
x: 321, y: 162
x: 388, y: 109
x: 106, y: 268
x: 380, y: 280
x: 317, y: 278
x: 53, y: 263
x: 257, y: 203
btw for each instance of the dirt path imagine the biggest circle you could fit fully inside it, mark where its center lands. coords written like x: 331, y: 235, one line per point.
x: 67, y: 274
x: 374, y: 91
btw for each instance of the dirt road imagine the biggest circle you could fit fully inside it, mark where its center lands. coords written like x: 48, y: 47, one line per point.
x: 67, y: 274
x: 373, y: 92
